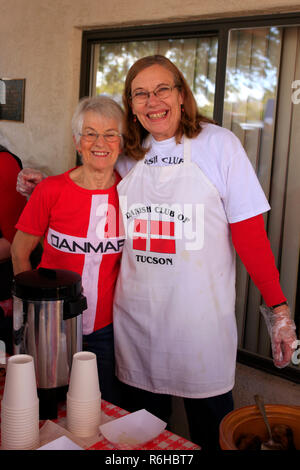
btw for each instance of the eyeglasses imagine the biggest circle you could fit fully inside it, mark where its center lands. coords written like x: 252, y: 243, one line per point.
x: 161, y: 92
x: 109, y: 137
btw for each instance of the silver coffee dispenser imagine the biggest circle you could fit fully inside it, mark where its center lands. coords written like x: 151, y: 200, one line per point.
x: 47, y: 324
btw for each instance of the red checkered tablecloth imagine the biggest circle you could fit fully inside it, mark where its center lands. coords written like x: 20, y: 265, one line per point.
x: 165, y: 441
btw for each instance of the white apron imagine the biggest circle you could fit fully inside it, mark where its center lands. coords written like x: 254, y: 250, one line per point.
x: 174, y: 322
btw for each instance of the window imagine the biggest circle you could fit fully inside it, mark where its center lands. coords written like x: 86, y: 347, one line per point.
x: 196, y: 58
x: 241, y: 72
x: 261, y: 66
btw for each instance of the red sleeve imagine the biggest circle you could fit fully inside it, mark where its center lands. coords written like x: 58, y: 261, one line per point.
x: 35, y: 217
x: 250, y: 240
x: 12, y: 203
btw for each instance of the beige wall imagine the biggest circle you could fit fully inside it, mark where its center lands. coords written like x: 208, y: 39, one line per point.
x: 40, y: 40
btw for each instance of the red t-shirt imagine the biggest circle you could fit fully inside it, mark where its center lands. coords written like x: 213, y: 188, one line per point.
x: 11, y: 206
x: 82, y: 234
x: 12, y: 203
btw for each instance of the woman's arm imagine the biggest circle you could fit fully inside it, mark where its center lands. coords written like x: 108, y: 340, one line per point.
x: 252, y: 245
x: 251, y: 242
x: 21, y: 249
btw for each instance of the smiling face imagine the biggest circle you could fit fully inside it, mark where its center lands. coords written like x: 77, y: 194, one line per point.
x: 160, y: 117
x: 99, y: 155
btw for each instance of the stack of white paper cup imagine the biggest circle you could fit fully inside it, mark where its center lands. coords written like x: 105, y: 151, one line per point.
x: 84, y: 397
x: 20, y: 405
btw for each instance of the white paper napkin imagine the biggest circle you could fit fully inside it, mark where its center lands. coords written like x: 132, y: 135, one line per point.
x: 133, y: 429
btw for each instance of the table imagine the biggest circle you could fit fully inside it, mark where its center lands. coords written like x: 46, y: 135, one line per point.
x: 165, y: 441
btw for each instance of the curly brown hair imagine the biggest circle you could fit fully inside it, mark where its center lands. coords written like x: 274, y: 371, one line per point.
x: 191, y: 119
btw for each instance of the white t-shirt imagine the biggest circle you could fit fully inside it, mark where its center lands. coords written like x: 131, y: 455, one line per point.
x: 223, y: 160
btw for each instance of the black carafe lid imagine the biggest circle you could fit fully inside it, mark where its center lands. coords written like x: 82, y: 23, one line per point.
x: 47, y: 284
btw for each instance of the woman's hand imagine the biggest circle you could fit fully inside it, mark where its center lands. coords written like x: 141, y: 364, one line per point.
x: 281, y: 328
x: 27, y: 180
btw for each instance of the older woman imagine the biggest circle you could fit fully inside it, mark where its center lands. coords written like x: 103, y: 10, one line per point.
x: 77, y: 214
x: 192, y: 193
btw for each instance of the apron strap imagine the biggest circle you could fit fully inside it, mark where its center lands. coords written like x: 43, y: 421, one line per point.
x: 147, y: 140
x: 186, y: 150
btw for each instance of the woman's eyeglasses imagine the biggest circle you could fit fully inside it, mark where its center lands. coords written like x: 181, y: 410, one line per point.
x: 163, y: 91
x: 109, y: 137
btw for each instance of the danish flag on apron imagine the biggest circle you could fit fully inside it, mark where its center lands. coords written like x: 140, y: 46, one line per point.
x: 154, y: 235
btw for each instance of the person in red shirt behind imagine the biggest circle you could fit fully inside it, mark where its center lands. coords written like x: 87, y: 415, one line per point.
x: 12, y: 204
x: 77, y: 214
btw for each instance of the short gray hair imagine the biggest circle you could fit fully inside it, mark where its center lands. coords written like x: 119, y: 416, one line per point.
x: 102, y: 105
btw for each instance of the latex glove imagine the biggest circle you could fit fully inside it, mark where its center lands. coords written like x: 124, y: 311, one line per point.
x: 281, y: 329
x: 27, y: 180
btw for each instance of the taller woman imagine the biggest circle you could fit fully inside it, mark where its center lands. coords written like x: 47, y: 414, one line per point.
x: 190, y: 200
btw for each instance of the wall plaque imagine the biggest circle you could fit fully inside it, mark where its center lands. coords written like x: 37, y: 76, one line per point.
x: 12, y: 95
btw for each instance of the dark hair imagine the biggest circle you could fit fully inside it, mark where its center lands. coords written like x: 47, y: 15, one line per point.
x: 191, y: 119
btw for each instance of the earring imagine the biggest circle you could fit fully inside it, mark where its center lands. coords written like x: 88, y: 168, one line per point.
x: 134, y: 118
x: 182, y: 109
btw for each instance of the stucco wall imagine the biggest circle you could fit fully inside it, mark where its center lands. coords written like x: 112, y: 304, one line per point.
x: 40, y: 40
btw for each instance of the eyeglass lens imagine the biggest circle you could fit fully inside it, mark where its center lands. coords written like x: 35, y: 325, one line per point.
x: 93, y: 136
x: 161, y: 92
